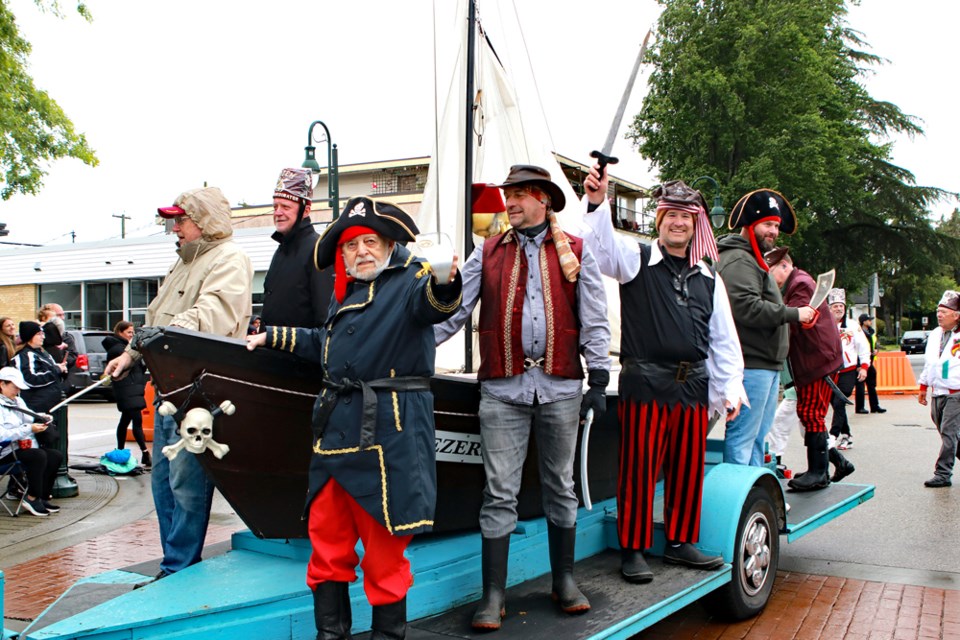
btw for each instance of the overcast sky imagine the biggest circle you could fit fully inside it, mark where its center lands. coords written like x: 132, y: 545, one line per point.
x: 174, y: 94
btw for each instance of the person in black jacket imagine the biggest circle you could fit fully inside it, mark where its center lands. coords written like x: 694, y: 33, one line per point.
x: 128, y: 391
x: 295, y: 293
x: 42, y: 374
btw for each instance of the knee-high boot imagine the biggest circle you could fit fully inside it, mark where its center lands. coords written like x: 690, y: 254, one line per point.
x: 817, y: 475
x: 390, y: 621
x: 492, y: 605
x: 565, y: 590
x: 331, y: 611
x: 841, y: 466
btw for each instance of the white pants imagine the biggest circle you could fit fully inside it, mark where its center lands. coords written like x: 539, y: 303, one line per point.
x: 784, y: 421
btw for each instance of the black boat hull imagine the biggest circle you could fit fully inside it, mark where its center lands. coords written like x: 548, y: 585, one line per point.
x: 264, y: 476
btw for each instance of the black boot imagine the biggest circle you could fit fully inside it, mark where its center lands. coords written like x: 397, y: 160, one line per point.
x: 331, y: 611
x: 817, y: 474
x: 841, y: 466
x: 633, y: 567
x: 565, y: 590
x: 492, y: 606
x: 390, y: 621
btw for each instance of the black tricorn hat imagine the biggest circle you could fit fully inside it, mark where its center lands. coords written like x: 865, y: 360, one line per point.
x: 760, y: 204
x: 540, y: 177
x: 385, y: 218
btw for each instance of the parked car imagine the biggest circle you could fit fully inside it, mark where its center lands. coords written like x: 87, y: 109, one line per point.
x: 91, y: 360
x: 914, y: 341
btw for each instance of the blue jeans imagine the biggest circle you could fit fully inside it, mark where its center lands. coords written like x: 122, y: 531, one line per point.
x: 182, y: 494
x: 743, y: 442
x: 505, y: 436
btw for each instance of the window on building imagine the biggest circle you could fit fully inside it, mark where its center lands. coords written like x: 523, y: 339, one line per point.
x: 258, y: 280
x: 68, y: 296
x: 142, y: 293
x: 103, y: 305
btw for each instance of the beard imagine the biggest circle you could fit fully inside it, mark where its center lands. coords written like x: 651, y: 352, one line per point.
x: 765, y: 244
x: 368, y: 276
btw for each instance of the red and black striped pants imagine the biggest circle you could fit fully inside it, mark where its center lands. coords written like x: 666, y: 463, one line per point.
x: 654, y: 436
x: 812, y: 402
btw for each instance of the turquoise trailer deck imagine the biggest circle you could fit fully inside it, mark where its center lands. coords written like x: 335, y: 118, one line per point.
x: 257, y: 588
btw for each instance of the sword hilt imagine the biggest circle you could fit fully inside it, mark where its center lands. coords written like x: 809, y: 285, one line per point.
x: 603, y: 160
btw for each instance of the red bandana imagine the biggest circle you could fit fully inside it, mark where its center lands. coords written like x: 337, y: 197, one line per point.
x: 340, y: 268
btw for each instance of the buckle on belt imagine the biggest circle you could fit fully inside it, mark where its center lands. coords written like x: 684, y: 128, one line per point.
x: 530, y: 363
x: 683, y: 369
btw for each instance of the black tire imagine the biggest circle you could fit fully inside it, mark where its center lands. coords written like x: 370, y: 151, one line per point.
x: 755, y: 561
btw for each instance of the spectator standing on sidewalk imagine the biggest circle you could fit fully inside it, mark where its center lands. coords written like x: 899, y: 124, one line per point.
x: 941, y: 375
x: 866, y: 323
x: 207, y: 289
x: 128, y: 391
x: 856, y: 359
x: 8, y: 340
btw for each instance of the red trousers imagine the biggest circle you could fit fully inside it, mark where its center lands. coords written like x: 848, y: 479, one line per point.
x: 653, y: 436
x: 812, y: 402
x: 336, y: 523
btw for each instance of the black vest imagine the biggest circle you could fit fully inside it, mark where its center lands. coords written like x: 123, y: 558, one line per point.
x: 665, y: 324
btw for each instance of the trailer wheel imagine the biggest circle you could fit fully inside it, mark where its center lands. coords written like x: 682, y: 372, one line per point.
x: 755, y: 561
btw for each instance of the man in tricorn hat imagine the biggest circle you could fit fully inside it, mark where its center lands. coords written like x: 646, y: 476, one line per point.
x: 760, y: 316
x: 814, y: 354
x: 372, y: 473
x: 295, y: 294
x: 542, y: 305
x: 207, y: 289
x: 941, y: 376
x: 680, y: 361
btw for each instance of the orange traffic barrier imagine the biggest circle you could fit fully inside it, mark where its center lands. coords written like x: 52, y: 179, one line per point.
x: 894, y: 374
x: 147, y: 415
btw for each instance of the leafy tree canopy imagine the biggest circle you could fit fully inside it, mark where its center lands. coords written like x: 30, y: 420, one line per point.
x: 34, y: 130
x: 768, y: 94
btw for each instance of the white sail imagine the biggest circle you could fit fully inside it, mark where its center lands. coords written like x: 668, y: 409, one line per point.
x: 503, y: 135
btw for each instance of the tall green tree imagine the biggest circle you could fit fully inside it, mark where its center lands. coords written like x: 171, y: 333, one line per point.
x: 769, y: 94
x: 34, y: 130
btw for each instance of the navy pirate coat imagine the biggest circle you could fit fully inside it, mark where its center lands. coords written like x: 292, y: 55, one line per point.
x: 383, y: 330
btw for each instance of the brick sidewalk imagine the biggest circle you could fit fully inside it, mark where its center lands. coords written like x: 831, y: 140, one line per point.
x: 34, y: 585
x: 805, y: 607
x: 802, y: 607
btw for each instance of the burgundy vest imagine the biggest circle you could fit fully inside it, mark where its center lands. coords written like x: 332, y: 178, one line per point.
x: 502, y: 290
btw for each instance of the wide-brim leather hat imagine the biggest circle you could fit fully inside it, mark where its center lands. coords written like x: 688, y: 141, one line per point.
x: 760, y: 204
x: 521, y: 174
x: 774, y: 256
x: 385, y: 218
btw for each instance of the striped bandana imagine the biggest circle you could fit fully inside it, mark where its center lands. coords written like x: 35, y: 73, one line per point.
x: 703, y: 243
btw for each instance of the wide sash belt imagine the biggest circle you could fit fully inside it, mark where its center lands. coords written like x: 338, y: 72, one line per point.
x: 369, y: 390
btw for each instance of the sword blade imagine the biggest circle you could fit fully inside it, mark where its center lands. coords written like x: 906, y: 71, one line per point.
x: 836, y: 390
x: 584, y: 448
x: 101, y: 381
x: 618, y: 118
x: 824, y: 284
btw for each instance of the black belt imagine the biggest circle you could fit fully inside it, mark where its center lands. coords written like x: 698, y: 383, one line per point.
x: 368, y: 422
x: 680, y: 370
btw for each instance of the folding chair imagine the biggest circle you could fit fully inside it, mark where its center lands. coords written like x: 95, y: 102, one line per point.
x: 11, y: 471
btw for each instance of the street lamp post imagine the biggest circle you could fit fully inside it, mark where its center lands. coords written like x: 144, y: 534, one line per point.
x: 333, y: 172
x: 717, y: 214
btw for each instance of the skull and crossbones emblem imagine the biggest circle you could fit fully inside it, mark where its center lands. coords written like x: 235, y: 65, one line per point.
x: 196, y: 430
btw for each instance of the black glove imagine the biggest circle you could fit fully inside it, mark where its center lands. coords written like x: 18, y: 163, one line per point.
x: 596, y: 396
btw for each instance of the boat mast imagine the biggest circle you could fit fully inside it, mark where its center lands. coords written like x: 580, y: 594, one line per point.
x: 468, y: 173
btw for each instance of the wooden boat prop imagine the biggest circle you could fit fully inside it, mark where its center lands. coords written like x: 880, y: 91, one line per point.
x: 264, y: 474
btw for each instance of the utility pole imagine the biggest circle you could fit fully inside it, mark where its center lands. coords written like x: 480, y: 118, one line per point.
x: 73, y: 236
x: 123, y: 224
